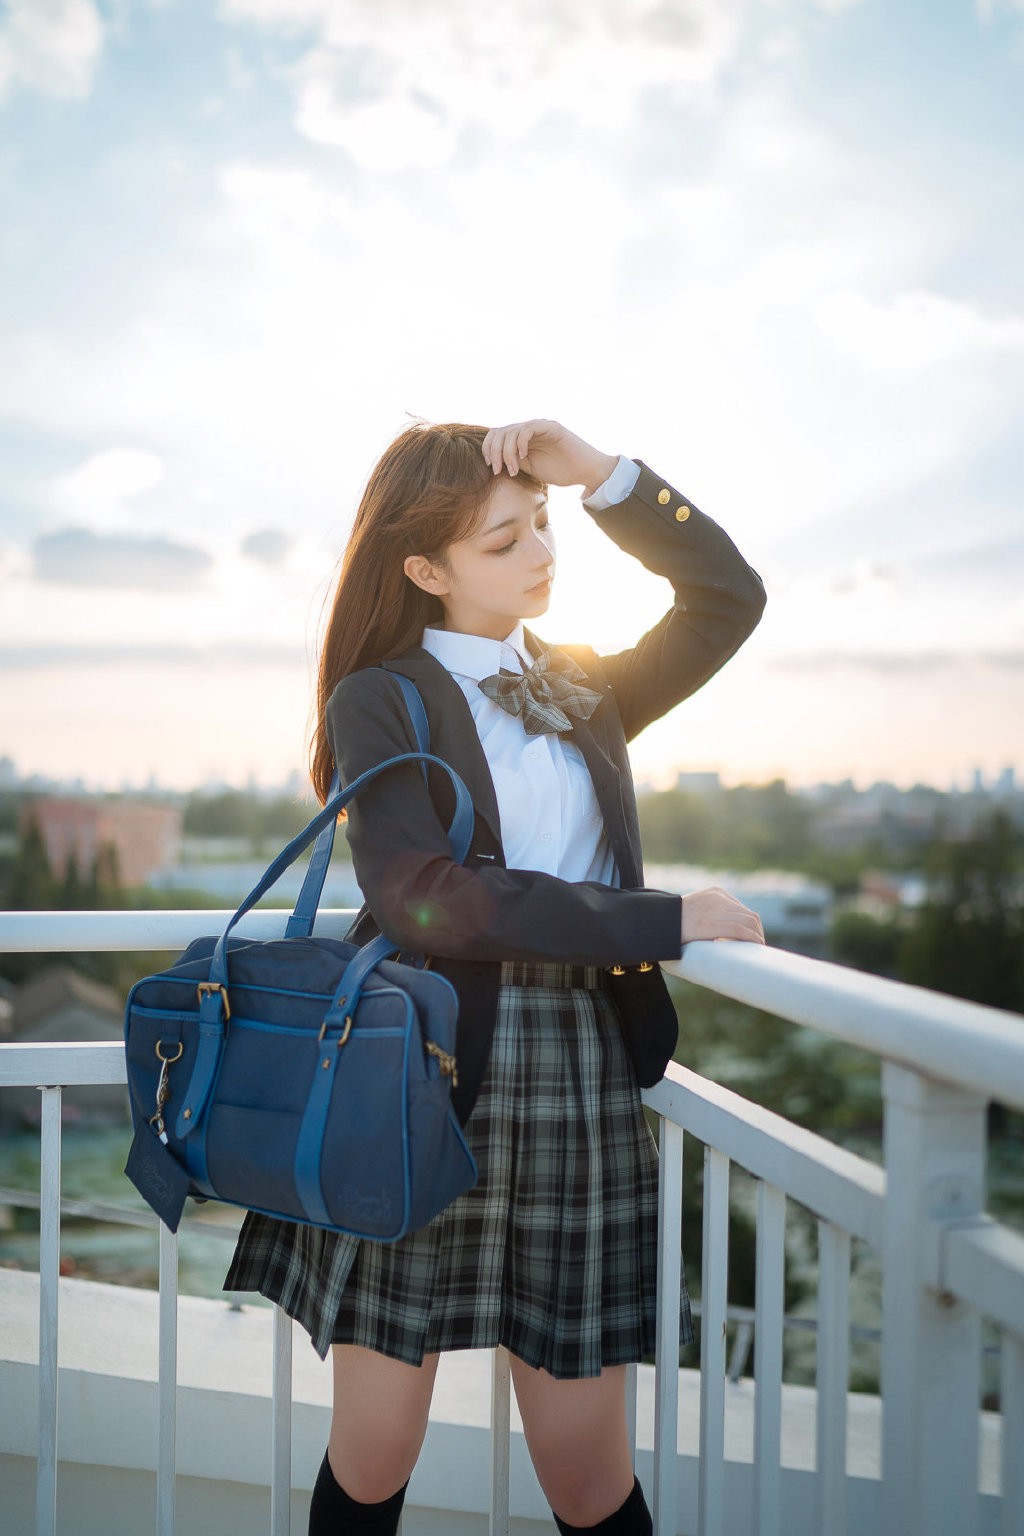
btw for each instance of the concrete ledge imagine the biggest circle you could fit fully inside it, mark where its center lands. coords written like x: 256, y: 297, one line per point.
x: 107, y: 1431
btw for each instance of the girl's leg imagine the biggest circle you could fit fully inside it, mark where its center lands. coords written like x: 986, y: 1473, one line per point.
x: 579, y: 1445
x: 377, y: 1429
x: 380, y: 1419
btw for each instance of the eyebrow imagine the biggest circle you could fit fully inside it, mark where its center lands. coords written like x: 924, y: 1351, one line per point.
x: 510, y: 522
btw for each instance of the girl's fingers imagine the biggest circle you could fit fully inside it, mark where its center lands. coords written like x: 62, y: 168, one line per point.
x: 508, y: 446
x: 512, y: 450
x: 500, y: 450
x: 736, y: 921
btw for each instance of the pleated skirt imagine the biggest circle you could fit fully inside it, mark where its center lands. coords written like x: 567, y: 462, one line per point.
x: 552, y: 1253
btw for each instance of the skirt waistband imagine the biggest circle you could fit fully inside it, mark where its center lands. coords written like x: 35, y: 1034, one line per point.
x: 552, y: 973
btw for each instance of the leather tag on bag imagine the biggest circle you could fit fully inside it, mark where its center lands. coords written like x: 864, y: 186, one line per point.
x: 158, y: 1177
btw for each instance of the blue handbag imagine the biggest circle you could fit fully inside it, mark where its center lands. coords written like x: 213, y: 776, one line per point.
x: 307, y: 1078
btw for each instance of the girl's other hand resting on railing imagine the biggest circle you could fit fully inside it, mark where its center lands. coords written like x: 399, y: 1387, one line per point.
x: 714, y: 914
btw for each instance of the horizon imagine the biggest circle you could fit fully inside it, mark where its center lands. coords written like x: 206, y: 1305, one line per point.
x: 988, y: 785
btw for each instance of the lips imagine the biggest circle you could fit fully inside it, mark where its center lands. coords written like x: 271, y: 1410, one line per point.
x: 541, y: 585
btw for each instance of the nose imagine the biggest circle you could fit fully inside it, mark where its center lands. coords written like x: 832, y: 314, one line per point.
x: 544, y: 554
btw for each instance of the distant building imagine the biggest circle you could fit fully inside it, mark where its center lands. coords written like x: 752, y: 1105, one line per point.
x: 883, y: 894
x: 147, y: 838
x: 698, y: 783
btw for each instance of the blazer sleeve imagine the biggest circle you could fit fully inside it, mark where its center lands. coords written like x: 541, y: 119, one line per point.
x: 424, y: 901
x: 718, y: 602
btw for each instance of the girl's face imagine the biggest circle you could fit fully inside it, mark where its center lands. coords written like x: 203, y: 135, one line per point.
x: 500, y: 573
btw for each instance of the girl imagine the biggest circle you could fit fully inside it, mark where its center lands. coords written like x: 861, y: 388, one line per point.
x: 547, y: 934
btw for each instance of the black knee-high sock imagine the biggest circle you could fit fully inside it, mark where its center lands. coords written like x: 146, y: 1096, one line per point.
x: 332, y: 1512
x: 631, y: 1519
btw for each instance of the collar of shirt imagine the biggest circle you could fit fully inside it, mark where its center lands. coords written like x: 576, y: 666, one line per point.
x: 475, y: 656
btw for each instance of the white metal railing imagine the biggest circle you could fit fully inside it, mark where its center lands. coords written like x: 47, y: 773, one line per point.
x: 946, y: 1264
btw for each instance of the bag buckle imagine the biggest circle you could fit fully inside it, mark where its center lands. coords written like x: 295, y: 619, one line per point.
x: 215, y: 986
x: 344, y: 1034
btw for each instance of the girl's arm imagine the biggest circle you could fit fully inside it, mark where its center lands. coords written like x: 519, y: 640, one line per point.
x: 719, y: 598
x: 425, y: 902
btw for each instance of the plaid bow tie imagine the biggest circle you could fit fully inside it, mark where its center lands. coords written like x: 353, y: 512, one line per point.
x: 545, y: 695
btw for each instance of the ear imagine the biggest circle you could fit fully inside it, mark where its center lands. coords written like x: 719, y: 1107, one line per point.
x: 426, y: 575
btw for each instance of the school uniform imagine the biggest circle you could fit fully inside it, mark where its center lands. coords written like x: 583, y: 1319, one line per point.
x: 551, y: 941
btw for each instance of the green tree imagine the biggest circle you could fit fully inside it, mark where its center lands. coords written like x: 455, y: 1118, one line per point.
x: 73, y: 892
x: 867, y: 943
x: 233, y: 813
x: 747, y: 827
x: 33, y: 884
x: 968, y: 935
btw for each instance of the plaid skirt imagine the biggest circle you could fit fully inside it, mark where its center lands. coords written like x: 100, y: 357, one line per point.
x: 552, y: 1253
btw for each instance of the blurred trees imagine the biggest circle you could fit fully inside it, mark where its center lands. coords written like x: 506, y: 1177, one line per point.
x: 748, y: 827
x: 968, y: 936
x: 268, y: 823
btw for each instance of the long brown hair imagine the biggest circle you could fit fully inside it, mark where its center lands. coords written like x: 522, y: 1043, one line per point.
x: 428, y: 489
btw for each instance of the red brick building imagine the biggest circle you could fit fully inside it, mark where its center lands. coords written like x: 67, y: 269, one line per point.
x: 147, y: 837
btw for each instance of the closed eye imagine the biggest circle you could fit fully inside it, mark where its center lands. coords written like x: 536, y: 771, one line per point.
x: 506, y: 548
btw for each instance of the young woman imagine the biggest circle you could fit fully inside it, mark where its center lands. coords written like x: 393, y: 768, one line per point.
x: 547, y: 933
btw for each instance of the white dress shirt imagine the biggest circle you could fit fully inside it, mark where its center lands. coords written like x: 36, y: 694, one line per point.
x: 550, y: 818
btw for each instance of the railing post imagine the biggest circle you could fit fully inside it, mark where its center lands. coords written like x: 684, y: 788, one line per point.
x: 931, y: 1342
x: 501, y: 1415
x: 833, y: 1376
x: 666, y: 1358
x: 49, y: 1292
x: 281, y: 1426
x: 770, y: 1301
x: 714, y: 1301
x: 167, y: 1383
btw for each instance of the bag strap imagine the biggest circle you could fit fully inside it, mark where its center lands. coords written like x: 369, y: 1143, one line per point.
x: 213, y: 993
x: 460, y: 835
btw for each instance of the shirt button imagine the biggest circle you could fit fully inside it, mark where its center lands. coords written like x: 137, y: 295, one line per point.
x: 545, y: 837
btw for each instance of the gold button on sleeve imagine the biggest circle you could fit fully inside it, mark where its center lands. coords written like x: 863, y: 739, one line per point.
x: 682, y: 513
x: 664, y: 496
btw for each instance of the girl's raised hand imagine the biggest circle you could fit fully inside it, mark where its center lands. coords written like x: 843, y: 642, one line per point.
x: 714, y: 914
x: 549, y: 452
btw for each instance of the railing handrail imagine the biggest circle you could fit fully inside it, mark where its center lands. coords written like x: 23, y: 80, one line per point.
x: 946, y: 1038
x: 949, y: 1039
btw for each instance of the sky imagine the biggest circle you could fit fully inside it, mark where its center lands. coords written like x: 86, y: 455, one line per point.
x: 772, y: 247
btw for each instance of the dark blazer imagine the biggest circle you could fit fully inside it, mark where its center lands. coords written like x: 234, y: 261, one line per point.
x: 470, y: 917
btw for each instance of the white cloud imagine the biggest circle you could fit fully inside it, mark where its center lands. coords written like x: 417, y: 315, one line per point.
x: 94, y: 490
x: 268, y: 200
x: 50, y: 45
x: 394, y: 133
x: 398, y: 84
x: 914, y: 330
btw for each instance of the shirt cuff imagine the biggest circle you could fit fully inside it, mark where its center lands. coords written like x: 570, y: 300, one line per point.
x: 617, y: 487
